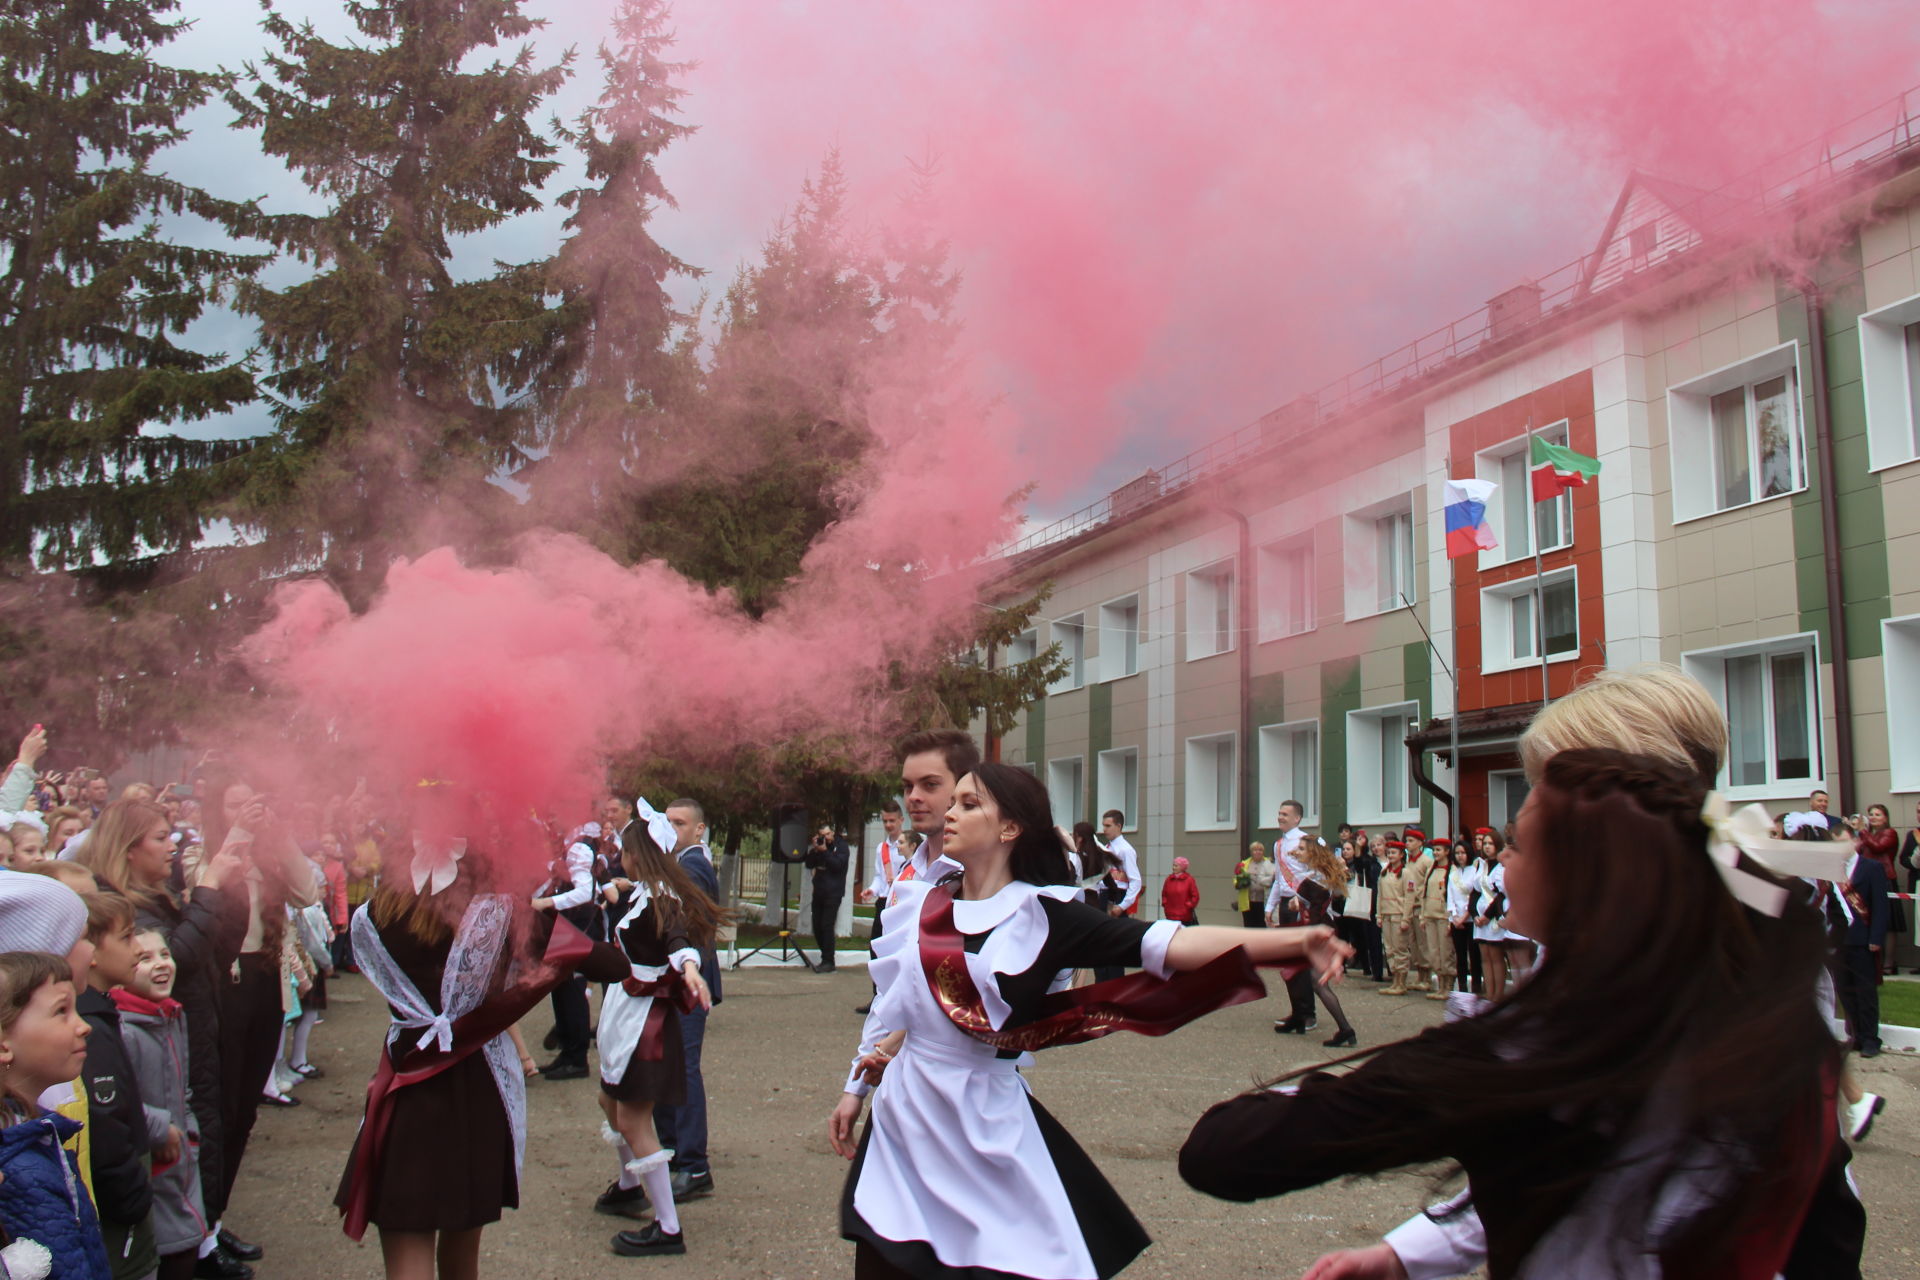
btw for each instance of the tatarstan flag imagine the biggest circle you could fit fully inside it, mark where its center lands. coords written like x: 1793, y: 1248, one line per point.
x: 1557, y: 469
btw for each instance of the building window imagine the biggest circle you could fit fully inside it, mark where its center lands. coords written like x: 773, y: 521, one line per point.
x: 1117, y: 785
x: 1735, y: 436
x: 1286, y: 588
x: 1521, y: 523
x: 1380, y: 783
x: 1023, y: 647
x: 1120, y: 638
x: 1211, y: 788
x: 1381, y: 572
x: 1890, y: 377
x: 1290, y: 768
x: 1066, y: 787
x: 1517, y: 617
x: 1506, y: 792
x: 1641, y: 241
x: 1029, y: 768
x: 1071, y: 635
x: 1900, y: 643
x: 1771, y: 694
x: 1210, y: 612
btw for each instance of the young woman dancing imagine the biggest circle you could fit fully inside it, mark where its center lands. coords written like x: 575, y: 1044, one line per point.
x: 1601, y: 1128
x: 960, y: 1173
x: 662, y: 920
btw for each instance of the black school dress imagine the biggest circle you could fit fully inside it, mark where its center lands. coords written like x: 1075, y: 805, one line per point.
x: 654, y: 945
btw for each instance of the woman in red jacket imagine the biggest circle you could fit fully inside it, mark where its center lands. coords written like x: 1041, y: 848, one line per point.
x: 1881, y: 842
x: 1180, y: 895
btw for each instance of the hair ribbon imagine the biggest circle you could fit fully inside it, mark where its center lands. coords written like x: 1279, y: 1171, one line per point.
x: 1750, y: 831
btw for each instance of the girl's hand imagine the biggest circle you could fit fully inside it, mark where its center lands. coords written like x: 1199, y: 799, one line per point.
x: 841, y: 1123
x: 697, y: 985
x: 1379, y: 1262
x: 1327, y: 955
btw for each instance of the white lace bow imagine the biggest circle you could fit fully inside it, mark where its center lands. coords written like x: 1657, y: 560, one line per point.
x: 1750, y: 831
x: 657, y: 825
x: 436, y: 865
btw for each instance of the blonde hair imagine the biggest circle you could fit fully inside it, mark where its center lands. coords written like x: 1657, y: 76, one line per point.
x: 70, y: 874
x: 1325, y: 865
x: 56, y: 816
x: 122, y: 824
x: 1654, y: 710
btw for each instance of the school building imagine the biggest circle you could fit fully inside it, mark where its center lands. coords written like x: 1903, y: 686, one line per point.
x: 1274, y: 615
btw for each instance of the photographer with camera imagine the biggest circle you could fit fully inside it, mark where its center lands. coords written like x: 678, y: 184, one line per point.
x: 827, y: 857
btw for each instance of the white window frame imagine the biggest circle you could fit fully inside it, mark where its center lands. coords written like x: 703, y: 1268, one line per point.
x: 1709, y: 667
x: 1363, y: 557
x: 1213, y: 759
x: 1204, y: 608
x: 1278, y: 783
x: 1691, y: 451
x: 1365, y: 778
x: 1113, y: 776
x: 1900, y: 654
x: 1286, y: 607
x: 1497, y: 815
x: 1491, y: 465
x: 1120, y: 639
x: 1888, y: 378
x: 1076, y: 782
x: 1497, y: 604
x: 1070, y: 633
x: 1024, y: 647
x: 1031, y: 768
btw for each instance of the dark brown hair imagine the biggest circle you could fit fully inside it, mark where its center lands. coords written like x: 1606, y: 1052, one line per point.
x: 1656, y: 983
x: 676, y: 898
x: 956, y: 746
x: 1037, y: 856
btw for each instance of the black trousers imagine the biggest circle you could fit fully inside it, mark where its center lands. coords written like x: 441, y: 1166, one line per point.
x: 1860, y: 995
x: 1466, y: 959
x: 250, y: 1023
x: 826, y: 914
x: 1373, y: 956
x: 572, y: 1020
x: 1300, y: 997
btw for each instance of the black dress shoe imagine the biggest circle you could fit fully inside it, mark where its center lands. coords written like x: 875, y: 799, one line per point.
x: 563, y: 1071
x: 221, y: 1265
x: 277, y: 1100
x: 241, y: 1249
x: 647, y: 1241
x: 622, y: 1202
x: 823, y: 968
x: 1345, y: 1040
x: 864, y: 1009
x: 1287, y: 1027
x: 690, y: 1186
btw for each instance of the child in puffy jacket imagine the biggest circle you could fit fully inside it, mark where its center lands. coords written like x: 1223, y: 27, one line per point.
x: 44, y: 1207
x: 116, y: 1114
x: 154, y: 1028
x: 1180, y: 894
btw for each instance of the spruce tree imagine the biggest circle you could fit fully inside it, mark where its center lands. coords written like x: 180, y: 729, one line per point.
x: 94, y: 295
x: 396, y: 385
x: 623, y: 351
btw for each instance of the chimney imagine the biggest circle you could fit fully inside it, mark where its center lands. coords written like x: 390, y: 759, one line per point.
x: 1512, y: 311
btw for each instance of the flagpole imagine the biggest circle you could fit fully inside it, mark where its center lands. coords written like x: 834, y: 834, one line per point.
x: 1539, y: 586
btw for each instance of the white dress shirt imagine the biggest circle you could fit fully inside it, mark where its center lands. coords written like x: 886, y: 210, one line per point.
x: 1129, y: 867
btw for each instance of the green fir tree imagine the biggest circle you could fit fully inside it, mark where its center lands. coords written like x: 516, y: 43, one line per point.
x: 95, y: 294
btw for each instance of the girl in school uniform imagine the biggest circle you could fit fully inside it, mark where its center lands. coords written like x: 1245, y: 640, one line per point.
x: 960, y: 1173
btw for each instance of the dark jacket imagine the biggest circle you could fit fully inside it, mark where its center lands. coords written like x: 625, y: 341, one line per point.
x: 45, y: 1200
x: 697, y: 861
x: 116, y: 1116
x: 829, y: 870
x: 1871, y: 885
x: 156, y: 1039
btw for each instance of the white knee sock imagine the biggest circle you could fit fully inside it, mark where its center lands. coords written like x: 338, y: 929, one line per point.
x: 623, y: 1153
x: 652, y: 1170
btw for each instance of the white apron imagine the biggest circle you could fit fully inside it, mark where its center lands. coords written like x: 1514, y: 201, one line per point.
x: 623, y: 1017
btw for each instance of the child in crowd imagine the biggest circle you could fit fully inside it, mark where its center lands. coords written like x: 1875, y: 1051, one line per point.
x: 1180, y: 894
x: 6, y: 850
x: 29, y: 843
x: 154, y: 1028
x: 116, y: 1114
x: 70, y: 874
x: 43, y: 1044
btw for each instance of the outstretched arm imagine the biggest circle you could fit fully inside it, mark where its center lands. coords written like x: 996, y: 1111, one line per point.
x: 1325, y: 954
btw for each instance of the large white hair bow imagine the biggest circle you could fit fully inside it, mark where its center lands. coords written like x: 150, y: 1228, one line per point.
x: 435, y: 865
x: 657, y: 825
x: 1750, y: 831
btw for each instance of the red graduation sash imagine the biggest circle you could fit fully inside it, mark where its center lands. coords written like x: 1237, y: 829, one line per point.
x: 1137, y: 1002
x: 670, y: 986
x: 566, y: 948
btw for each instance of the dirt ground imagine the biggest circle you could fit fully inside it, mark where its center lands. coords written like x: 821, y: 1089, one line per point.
x: 776, y: 1053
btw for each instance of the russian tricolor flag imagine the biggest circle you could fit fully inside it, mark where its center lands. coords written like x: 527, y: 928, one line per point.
x: 1467, y: 527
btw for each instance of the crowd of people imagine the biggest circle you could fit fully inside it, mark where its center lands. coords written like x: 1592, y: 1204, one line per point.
x: 164, y: 958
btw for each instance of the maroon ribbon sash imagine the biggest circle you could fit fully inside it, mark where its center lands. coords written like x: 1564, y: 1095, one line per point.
x: 1137, y: 1002
x: 669, y: 987
x: 566, y: 948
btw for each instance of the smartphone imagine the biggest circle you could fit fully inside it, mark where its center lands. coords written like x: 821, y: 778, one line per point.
x: 181, y: 791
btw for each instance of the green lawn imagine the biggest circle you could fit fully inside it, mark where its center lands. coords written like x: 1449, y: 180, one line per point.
x: 1900, y: 1004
